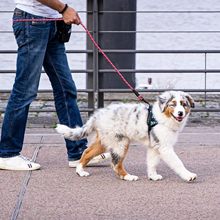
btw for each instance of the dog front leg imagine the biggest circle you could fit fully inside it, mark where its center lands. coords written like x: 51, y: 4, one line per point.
x: 153, y: 159
x: 172, y: 160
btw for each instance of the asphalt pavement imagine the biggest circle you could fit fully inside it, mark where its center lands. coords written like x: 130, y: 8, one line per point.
x: 56, y: 192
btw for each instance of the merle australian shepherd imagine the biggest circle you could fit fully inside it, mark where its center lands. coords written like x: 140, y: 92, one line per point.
x: 113, y: 128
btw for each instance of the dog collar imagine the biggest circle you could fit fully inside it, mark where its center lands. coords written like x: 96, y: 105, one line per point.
x: 151, y: 120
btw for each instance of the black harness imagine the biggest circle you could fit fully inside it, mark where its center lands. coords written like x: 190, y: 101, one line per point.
x: 151, y: 120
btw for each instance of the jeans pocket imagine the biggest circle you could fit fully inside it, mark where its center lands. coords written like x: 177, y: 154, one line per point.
x: 19, y: 33
x: 38, y: 28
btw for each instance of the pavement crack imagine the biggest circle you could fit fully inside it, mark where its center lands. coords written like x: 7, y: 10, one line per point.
x: 24, y: 185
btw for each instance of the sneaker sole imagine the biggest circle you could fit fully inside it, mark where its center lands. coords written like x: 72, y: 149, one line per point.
x: 17, y: 169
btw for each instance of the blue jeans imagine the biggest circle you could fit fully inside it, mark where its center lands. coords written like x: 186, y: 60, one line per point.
x: 37, y: 47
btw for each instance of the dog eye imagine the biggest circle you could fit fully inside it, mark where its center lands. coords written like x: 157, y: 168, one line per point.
x: 185, y: 104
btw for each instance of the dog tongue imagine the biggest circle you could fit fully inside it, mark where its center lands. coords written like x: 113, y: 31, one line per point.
x: 179, y: 118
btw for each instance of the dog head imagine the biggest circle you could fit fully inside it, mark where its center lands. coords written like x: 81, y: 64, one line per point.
x: 176, y: 104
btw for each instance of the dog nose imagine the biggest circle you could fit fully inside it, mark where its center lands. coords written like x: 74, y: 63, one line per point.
x: 180, y: 113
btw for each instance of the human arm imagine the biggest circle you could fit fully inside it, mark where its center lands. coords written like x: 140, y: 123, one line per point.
x: 70, y: 16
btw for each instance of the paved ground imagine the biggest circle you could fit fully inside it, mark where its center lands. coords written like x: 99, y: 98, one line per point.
x: 56, y: 192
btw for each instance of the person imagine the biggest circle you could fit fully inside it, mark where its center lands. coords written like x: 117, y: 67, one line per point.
x: 38, y: 46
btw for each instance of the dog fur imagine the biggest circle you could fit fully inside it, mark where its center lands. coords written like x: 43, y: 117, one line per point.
x: 113, y: 128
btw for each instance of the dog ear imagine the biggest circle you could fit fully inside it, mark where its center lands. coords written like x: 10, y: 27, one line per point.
x: 163, y: 100
x: 190, y: 99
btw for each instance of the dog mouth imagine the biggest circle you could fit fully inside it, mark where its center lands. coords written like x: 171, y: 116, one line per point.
x: 179, y: 118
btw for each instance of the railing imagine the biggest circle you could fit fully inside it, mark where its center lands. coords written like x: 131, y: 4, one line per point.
x: 95, y: 94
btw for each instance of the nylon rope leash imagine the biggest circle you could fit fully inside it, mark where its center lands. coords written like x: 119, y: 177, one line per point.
x: 140, y: 97
x: 37, y: 19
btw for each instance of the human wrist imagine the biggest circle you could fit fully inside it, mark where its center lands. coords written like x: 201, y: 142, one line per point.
x: 64, y: 9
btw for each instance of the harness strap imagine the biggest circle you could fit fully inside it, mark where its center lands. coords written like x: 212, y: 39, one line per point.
x: 151, y: 120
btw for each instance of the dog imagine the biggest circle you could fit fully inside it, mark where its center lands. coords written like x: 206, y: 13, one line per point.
x: 156, y: 126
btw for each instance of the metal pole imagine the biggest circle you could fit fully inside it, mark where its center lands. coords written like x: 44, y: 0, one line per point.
x: 122, y: 41
x: 90, y: 77
x: 205, y: 79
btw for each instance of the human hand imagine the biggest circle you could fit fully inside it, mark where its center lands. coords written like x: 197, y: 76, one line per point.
x: 70, y: 16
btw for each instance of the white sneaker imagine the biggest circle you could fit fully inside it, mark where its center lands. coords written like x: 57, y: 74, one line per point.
x: 95, y: 160
x: 18, y: 163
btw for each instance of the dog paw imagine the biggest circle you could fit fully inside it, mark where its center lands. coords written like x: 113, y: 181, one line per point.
x: 155, y: 177
x: 83, y: 173
x: 80, y: 171
x: 190, y: 177
x: 130, y: 177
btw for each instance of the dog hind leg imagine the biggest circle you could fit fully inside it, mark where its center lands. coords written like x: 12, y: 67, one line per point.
x: 117, y: 165
x: 94, y: 150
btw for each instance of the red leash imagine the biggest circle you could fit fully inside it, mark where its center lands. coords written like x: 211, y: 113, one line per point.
x: 140, y: 97
x: 38, y: 19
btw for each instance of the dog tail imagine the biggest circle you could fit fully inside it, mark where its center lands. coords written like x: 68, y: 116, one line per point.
x: 77, y: 133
